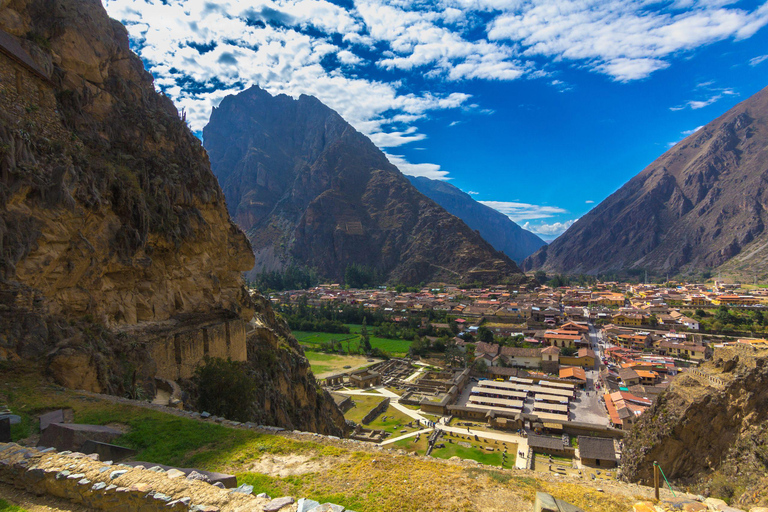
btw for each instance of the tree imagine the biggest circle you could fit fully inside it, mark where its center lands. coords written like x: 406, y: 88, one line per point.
x: 540, y: 276
x: 365, y: 340
x: 224, y: 388
x: 481, y: 366
x: 485, y: 334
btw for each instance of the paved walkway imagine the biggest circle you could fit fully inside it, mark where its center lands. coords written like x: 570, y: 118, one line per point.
x: 405, y: 436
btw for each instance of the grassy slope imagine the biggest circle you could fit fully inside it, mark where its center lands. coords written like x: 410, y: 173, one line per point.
x: 361, y: 480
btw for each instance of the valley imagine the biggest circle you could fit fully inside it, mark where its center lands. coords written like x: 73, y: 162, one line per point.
x: 291, y: 257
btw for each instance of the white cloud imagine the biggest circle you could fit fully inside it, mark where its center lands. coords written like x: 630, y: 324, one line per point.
x: 556, y: 228
x: 694, y: 130
x: 589, y: 201
x: 715, y: 95
x: 200, y: 51
x: 624, y: 39
x: 473, y: 193
x: 523, y: 211
x: 431, y: 171
x: 757, y: 60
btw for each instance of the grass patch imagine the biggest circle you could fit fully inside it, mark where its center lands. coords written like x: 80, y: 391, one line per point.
x: 394, y: 422
x: 323, y: 363
x: 411, y: 445
x: 363, y: 405
x: 7, y: 507
x: 316, y: 339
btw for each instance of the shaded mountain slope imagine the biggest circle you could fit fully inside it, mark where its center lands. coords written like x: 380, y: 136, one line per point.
x: 119, y: 264
x: 309, y: 189
x: 697, y: 206
x: 495, y: 227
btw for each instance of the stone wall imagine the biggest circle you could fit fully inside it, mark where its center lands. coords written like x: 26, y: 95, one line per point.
x: 179, y: 351
x: 376, y: 411
x: 105, y: 486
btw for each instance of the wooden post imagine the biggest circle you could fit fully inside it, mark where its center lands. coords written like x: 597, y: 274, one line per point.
x: 656, y: 479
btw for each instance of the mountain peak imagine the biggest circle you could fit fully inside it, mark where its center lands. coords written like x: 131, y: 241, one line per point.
x: 697, y: 207
x: 309, y: 189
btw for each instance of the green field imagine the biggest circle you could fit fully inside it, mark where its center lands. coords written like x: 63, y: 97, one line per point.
x: 477, y: 452
x: 363, y: 405
x: 394, y: 422
x: 315, y: 339
x: 323, y: 363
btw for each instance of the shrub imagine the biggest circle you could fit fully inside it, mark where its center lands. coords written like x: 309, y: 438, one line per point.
x: 224, y: 388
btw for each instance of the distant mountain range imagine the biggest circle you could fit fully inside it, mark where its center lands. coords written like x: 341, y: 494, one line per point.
x: 700, y: 206
x: 498, y: 229
x: 310, y: 190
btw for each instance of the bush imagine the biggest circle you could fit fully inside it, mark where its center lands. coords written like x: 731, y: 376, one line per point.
x: 224, y: 388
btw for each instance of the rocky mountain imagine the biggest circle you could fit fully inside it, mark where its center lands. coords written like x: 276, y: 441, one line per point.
x: 495, y: 227
x: 709, y: 430
x: 119, y: 264
x: 308, y: 189
x: 696, y: 207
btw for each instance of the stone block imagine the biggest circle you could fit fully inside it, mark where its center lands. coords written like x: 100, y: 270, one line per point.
x: 226, y: 480
x: 174, y: 473
x: 278, y: 503
x: 5, y: 430
x: 51, y: 417
x: 328, y: 507
x: 106, y: 451
x: 244, y: 489
x: 305, y: 505
x: 547, y: 503
x: 72, y: 436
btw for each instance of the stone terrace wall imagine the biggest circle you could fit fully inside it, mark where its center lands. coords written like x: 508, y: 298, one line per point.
x: 103, y: 486
x: 379, y: 409
x: 179, y: 351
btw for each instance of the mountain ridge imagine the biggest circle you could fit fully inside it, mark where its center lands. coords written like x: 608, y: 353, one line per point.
x: 309, y: 189
x: 496, y: 228
x: 690, y: 211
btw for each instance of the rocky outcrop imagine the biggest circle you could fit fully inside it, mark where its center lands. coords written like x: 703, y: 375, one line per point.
x: 310, y: 190
x: 495, y: 227
x: 118, y: 260
x: 289, y: 395
x: 695, y: 208
x: 708, y: 430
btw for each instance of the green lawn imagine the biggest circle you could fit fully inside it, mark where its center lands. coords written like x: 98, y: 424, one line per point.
x: 394, y: 422
x: 315, y: 339
x: 408, y: 444
x: 333, y: 363
x: 475, y: 453
x: 363, y: 405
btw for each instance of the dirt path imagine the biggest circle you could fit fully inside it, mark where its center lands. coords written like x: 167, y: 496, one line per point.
x: 33, y: 503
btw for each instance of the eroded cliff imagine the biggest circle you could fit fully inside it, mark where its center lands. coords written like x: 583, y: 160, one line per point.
x: 118, y: 260
x: 709, y: 431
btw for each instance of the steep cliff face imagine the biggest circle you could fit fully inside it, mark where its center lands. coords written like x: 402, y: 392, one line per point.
x: 695, y: 208
x: 309, y: 189
x: 495, y: 227
x: 290, y: 396
x: 709, y: 430
x: 118, y: 260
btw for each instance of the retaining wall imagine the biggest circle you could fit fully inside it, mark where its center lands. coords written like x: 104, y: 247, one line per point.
x: 376, y: 411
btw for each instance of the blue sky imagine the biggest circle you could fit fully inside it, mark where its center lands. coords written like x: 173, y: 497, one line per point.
x: 539, y: 109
